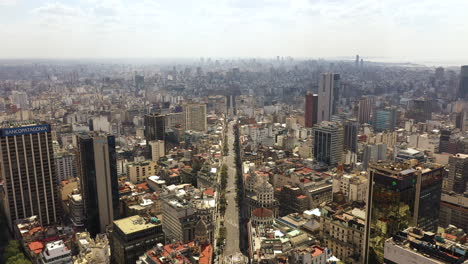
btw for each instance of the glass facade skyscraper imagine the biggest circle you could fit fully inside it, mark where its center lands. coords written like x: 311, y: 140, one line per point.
x: 399, y: 196
x: 97, y: 169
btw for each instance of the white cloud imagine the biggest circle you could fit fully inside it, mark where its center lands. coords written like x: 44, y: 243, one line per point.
x: 8, y: 2
x: 240, y: 28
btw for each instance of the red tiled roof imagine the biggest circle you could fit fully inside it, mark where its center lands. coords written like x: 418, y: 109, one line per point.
x: 209, y: 191
x: 206, y: 254
x: 262, y: 212
x: 36, y: 247
x: 34, y: 230
x: 317, y: 251
x: 143, y: 186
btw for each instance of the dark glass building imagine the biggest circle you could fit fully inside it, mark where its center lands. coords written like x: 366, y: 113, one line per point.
x: 463, y: 87
x: 97, y: 169
x: 351, y: 130
x: 399, y: 196
x: 154, y: 127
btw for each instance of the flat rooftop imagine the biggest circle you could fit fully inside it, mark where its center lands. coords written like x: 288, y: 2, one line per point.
x: 135, y: 224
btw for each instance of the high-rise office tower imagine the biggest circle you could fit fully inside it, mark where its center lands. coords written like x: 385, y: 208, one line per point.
x: 420, y: 110
x: 154, y: 127
x: 385, y: 119
x: 461, y: 121
x: 328, y: 96
x: 444, y: 141
x: 97, y: 170
x: 439, y: 73
x: 356, y: 62
x: 28, y: 173
x: 310, y: 109
x: 399, y: 196
x: 195, y: 117
x: 328, y: 143
x: 364, y: 110
x: 463, y: 86
x: 351, y: 129
x: 457, y: 180
x: 139, y: 82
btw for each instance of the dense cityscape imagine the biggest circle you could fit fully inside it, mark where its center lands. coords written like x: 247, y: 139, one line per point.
x: 277, y: 160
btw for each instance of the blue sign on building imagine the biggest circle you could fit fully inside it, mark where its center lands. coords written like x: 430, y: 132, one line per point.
x: 9, y: 132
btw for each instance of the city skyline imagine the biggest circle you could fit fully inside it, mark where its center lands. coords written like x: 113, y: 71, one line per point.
x: 404, y: 31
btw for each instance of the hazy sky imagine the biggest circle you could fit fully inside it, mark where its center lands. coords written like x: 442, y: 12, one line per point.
x: 416, y: 29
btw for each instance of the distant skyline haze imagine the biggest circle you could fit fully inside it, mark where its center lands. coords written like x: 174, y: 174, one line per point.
x: 399, y: 30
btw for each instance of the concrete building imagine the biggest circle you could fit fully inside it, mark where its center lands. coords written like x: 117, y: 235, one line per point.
x: 260, y: 194
x: 20, y: 99
x: 454, y: 210
x: 157, y: 150
x: 97, y: 170
x: 328, y: 143
x: 26, y: 160
x: 343, y: 232
x: 414, y: 245
x: 131, y: 237
x: 314, y: 254
x: 352, y: 186
x: 373, y: 153
x: 65, y: 165
x: 56, y: 253
x: 76, y: 209
x: 175, y: 120
x: 180, y: 219
x: 424, y: 142
x: 365, y: 106
x: 310, y: 110
x: 409, y: 154
x: 92, y: 250
x: 292, y: 200
x: 457, y: 179
x: 100, y: 123
x: 195, y: 117
x: 137, y: 172
x: 328, y: 96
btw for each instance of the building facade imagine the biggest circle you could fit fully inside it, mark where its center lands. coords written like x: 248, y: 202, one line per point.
x: 195, y: 117
x: 65, y: 165
x: 399, y: 196
x: 137, y: 172
x: 310, y: 110
x: 328, y: 96
x: 28, y: 173
x: 97, y: 170
x: 157, y: 149
x: 154, y: 127
x: 328, y: 143
x: 131, y: 237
